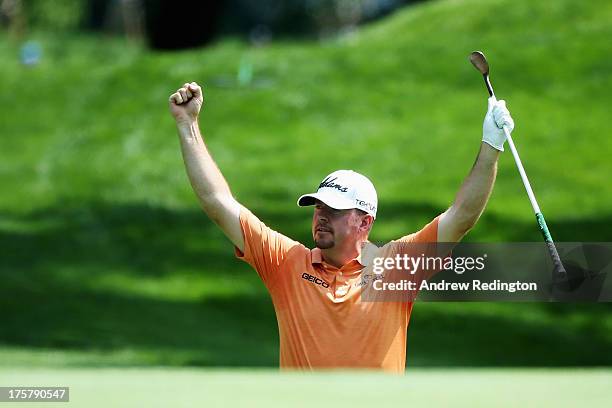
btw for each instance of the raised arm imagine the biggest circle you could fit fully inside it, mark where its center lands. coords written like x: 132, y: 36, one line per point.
x: 206, y: 179
x: 476, y: 188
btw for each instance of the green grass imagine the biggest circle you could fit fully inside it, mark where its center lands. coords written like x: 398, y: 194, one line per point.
x: 156, y: 387
x: 106, y: 259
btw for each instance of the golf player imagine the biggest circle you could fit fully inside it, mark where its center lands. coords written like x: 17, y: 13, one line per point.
x: 322, y: 318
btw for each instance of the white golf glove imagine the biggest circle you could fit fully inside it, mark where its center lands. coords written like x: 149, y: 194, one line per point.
x: 492, y: 128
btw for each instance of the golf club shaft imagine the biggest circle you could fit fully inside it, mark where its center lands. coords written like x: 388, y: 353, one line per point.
x: 488, y: 84
x: 559, y: 270
x: 519, y: 165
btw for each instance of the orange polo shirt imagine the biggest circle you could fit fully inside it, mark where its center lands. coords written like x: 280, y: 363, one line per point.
x: 323, y: 321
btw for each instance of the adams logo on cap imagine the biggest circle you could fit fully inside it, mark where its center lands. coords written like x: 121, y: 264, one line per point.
x: 329, y: 182
x: 343, y: 190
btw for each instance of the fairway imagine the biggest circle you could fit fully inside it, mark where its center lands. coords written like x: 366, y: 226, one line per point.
x: 159, y: 387
x: 116, y: 284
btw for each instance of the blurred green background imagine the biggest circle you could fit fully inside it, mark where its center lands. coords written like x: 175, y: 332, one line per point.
x: 105, y: 257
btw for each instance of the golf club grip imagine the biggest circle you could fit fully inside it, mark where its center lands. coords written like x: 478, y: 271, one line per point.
x: 558, y: 271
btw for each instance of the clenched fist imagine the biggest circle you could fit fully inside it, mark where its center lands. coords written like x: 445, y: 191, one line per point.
x: 186, y: 102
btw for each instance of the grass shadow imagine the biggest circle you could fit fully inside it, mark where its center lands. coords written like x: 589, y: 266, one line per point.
x: 45, y: 307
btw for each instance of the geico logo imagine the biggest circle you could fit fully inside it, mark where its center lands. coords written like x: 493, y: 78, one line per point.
x: 315, y: 280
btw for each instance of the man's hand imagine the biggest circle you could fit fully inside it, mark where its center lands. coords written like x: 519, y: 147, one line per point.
x: 493, y: 127
x: 186, y: 102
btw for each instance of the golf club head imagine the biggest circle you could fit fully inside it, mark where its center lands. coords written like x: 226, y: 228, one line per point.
x: 479, y: 61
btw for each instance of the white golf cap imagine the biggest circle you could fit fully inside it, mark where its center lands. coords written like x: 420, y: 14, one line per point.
x: 343, y: 190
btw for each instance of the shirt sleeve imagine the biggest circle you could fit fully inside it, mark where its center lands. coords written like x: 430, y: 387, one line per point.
x: 419, y: 246
x: 427, y: 235
x: 264, y: 249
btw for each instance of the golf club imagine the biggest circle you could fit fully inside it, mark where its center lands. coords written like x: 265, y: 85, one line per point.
x: 479, y: 61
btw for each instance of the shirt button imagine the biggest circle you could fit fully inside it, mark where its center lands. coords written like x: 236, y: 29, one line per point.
x: 342, y: 290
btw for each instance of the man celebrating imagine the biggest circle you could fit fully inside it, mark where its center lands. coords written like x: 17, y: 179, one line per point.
x: 323, y: 320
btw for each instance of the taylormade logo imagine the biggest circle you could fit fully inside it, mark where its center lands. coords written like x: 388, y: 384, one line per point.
x: 362, y: 203
x: 330, y: 183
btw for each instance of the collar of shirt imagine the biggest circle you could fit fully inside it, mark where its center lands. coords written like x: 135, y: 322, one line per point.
x: 351, y: 268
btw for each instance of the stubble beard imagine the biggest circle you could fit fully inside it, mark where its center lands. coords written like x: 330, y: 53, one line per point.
x: 324, y: 243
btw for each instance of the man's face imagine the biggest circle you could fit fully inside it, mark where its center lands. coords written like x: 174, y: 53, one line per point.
x: 339, y: 228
